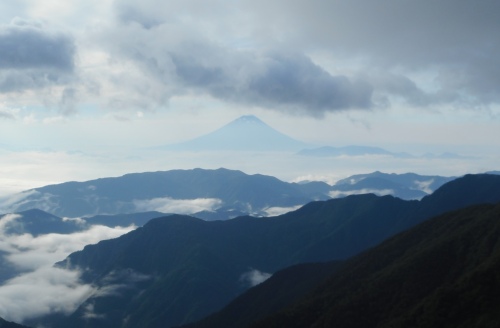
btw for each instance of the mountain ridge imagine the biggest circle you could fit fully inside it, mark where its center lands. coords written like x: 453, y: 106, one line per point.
x: 442, y: 273
x: 221, y: 252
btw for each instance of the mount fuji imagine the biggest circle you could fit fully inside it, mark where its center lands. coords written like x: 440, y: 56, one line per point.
x: 246, y: 133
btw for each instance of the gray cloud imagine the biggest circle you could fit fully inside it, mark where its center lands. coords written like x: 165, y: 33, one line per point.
x: 29, y: 45
x: 454, y: 41
x: 34, y: 57
x: 181, y: 63
x: 7, y: 114
x: 296, y: 56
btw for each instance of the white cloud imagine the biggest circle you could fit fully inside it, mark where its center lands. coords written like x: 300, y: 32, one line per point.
x: 378, y: 192
x: 424, y: 185
x: 178, y: 206
x: 253, y: 277
x: 275, y: 211
x: 44, y: 291
x: 39, y: 288
x: 30, y: 252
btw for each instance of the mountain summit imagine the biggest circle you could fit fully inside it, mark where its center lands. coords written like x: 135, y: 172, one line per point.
x: 246, y: 133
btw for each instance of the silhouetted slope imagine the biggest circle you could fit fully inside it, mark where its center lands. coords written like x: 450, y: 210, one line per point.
x: 282, y: 289
x: 482, y: 188
x: 195, y: 267
x: 7, y: 324
x: 442, y: 273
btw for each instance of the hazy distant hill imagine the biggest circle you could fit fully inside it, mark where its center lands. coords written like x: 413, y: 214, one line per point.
x: 168, y: 192
x: 37, y: 222
x: 442, y: 273
x: 179, y: 269
x: 405, y: 186
x: 247, y: 133
x: 328, y: 151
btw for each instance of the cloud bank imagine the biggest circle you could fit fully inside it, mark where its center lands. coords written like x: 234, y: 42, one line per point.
x: 39, y: 288
x: 306, y: 57
x: 179, y: 206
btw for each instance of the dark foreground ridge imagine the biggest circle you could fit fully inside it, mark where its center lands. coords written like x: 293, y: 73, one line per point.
x: 442, y: 273
x: 8, y: 324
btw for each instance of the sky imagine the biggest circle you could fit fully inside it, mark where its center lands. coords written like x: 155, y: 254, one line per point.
x: 88, y: 88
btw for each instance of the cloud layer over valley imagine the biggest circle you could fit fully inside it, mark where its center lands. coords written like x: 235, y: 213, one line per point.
x: 38, y: 287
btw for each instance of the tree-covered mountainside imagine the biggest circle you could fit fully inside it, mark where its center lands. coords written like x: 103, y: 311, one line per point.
x: 443, y: 273
x: 8, y: 324
x: 282, y: 289
x: 178, y: 269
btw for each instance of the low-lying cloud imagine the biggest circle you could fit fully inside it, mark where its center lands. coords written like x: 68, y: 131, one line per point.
x: 275, y: 211
x: 43, y: 291
x: 425, y: 186
x: 378, y: 192
x: 253, y: 277
x: 38, y: 287
x: 179, y: 206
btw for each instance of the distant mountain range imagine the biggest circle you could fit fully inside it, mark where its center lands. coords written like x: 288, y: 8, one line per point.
x: 404, y: 186
x: 176, y: 191
x: 329, y: 151
x: 178, y: 269
x: 208, y: 194
x: 247, y: 133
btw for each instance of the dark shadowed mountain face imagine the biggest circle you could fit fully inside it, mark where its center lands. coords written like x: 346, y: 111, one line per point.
x: 7, y: 324
x: 442, y: 273
x: 282, y: 289
x: 188, y: 191
x: 178, y: 269
x: 247, y: 133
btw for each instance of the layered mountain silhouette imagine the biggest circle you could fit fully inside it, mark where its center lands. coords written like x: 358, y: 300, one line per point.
x: 330, y: 151
x: 405, y: 186
x: 225, y: 193
x: 157, y: 191
x: 246, y: 133
x: 178, y: 269
x: 442, y: 273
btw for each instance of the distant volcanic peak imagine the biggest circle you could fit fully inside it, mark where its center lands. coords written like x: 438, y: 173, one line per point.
x: 246, y: 133
x: 248, y: 119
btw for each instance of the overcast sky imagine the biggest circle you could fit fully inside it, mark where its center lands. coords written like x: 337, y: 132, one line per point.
x: 85, y: 83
